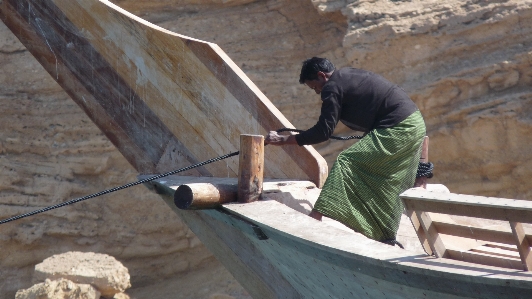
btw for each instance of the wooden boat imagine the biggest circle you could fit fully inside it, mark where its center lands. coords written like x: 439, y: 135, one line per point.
x: 167, y: 101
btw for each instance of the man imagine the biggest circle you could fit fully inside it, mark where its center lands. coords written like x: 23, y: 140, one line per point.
x: 363, y: 187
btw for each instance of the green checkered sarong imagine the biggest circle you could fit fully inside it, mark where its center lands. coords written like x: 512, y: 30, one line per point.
x: 362, y: 190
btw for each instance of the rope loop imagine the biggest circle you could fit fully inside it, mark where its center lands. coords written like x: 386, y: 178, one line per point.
x: 425, y: 170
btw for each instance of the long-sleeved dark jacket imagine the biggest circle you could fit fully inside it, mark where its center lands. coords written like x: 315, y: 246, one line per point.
x: 360, y: 99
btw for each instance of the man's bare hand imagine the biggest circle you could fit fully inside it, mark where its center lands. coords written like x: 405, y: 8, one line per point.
x: 274, y: 138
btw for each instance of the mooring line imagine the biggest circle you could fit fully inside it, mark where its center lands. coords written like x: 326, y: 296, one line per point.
x: 424, y: 169
x: 66, y: 203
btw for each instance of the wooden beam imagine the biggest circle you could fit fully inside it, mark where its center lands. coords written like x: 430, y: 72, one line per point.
x: 420, y: 232
x: 250, y: 168
x: 468, y: 205
x: 421, y: 182
x: 484, y: 259
x: 522, y: 245
x: 197, y: 196
x: 484, y: 234
x: 432, y: 235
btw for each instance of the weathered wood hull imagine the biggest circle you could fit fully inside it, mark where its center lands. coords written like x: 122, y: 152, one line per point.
x: 165, y: 100
x: 277, y: 252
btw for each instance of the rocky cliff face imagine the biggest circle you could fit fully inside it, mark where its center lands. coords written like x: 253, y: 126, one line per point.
x: 467, y: 64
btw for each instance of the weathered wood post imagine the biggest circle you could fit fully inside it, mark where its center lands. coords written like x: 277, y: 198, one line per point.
x: 193, y: 196
x: 250, y: 168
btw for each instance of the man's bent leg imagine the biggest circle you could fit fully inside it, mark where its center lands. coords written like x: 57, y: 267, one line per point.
x: 316, y: 215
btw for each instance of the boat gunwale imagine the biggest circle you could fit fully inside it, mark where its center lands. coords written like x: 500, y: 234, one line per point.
x: 310, y: 232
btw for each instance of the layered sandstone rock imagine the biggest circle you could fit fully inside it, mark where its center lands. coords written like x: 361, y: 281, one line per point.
x: 102, y: 271
x: 59, y: 289
x: 467, y: 64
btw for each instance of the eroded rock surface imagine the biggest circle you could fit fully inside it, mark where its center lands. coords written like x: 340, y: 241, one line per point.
x: 102, y: 271
x: 59, y: 289
x: 467, y: 65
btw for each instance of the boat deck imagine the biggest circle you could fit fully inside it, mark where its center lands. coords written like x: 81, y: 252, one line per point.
x: 280, y: 244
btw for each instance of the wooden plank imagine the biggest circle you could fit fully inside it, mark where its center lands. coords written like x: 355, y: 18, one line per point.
x: 251, y: 168
x: 506, y: 247
x: 420, y: 232
x: 434, y: 240
x: 505, y: 252
x: 485, y: 259
x: 421, y: 182
x: 141, y: 83
x: 468, y: 205
x: 523, y: 246
x: 477, y: 233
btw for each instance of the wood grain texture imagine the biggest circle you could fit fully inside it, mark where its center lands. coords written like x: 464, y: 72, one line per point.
x: 165, y: 100
x: 483, y: 258
x: 468, y: 205
x: 421, y: 182
x: 251, y: 168
x: 478, y: 233
x: 512, y: 210
x: 523, y: 246
x: 196, y: 196
x: 304, y: 258
x: 435, y: 242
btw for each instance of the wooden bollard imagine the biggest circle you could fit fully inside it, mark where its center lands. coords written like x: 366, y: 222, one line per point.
x: 250, y: 168
x: 194, y: 196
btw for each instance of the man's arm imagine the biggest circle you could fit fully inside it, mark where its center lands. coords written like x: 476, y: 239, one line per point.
x: 274, y: 138
x: 329, y: 117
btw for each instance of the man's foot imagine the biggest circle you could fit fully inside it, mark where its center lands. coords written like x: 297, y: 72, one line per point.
x: 316, y: 215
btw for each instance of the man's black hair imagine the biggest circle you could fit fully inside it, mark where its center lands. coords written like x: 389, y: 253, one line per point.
x: 312, y: 66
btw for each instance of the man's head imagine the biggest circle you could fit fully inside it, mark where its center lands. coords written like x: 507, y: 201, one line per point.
x: 316, y: 72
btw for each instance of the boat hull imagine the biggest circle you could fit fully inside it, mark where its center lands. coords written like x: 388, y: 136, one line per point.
x: 277, y: 252
x: 165, y: 100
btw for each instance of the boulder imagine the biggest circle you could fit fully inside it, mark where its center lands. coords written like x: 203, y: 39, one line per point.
x: 102, y: 271
x: 121, y: 296
x: 59, y: 289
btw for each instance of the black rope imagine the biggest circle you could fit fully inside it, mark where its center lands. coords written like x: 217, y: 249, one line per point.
x: 424, y: 170
x: 332, y: 137
x: 117, y: 188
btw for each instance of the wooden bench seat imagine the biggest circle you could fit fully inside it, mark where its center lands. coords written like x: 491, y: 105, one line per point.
x: 500, y: 246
